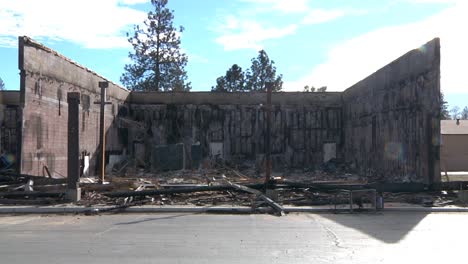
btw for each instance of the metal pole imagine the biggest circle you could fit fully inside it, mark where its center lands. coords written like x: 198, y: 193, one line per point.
x: 269, y: 86
x: 102, y: 136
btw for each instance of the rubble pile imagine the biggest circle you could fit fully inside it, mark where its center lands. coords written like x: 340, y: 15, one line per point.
x: 218, y: 185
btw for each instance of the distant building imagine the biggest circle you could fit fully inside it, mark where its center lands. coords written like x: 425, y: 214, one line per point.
x: 454, y: 145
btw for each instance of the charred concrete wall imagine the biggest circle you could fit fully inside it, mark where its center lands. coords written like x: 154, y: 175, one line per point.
x: 391, y: 119
x: 235, y: 124
x: 9, y: 123
x: 46, y: 78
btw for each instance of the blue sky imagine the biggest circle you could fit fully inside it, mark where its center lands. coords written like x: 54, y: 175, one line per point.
x: 333, y: 43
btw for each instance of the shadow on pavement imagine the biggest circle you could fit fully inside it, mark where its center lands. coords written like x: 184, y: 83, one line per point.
x: 149, y: 219
x: 389, y: 227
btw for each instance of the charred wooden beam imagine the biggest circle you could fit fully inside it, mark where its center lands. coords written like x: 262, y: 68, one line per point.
x: 45, y: 201
x: 278, y: 208
x: 18, y: 194
x: 213, y: 188
x: 38, y: 180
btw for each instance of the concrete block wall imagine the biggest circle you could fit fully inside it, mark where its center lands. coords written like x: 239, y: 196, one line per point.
x: 46, y: 78
x: 391, y: 119
x: 301, y: 124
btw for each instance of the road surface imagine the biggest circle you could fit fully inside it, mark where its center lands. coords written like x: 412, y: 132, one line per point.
x: 200, y: 238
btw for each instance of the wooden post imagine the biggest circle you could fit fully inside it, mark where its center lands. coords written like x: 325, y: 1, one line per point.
x: 269, y: 86
x: 102, y: 132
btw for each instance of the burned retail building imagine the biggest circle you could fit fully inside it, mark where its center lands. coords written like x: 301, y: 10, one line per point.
x: 387, y: 126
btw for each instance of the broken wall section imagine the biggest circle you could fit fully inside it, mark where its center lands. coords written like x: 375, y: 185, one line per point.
x: 391, y: 119
x: 10, y: 122
x: 46, y: 78
x: 233, y: 126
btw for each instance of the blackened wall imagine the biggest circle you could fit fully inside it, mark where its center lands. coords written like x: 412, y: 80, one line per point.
x: 391, y: 119
x: 9, y: 122
x: 301, y: 124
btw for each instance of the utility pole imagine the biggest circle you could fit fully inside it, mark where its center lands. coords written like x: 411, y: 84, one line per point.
x: 269, y: 86
x: 102, y: 132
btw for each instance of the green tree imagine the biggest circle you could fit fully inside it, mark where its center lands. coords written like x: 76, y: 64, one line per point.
x: 158, y: 64
x: 220, y: 85
x: 444, y: 112
x: 263, y: 70
x: 233, y: 81
x: 322, y: 89
x: 455, y: 112
x: 2, y: 85
x: 312, y: 89
x: 464, y: 113
x: 308, y: 88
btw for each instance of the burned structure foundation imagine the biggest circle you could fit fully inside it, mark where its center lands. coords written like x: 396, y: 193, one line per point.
x: 385, y: 127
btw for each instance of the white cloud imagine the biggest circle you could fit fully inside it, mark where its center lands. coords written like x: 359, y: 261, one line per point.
x: 318, y: 16
x: 133, y: 2
x: 246, y: 30
x: 290, y: 6
x: 7, y: 42
x: 197, y: 58
x: 249, y: 34
x: 434, y: 1
x: 92, y: 24
x: 351, y: 61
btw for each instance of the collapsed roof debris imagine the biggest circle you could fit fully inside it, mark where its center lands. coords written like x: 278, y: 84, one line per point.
x: 208, y: 187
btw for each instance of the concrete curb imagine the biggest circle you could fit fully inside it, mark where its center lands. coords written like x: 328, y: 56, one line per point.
x: 217, y: 209
x: 427, y: 209
x: 81, y: 210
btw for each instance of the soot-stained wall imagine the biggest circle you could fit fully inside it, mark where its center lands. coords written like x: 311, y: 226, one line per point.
x: 236, y: 123
x: 46, y: 78
x: 9, y: 124
x: 391, y: 119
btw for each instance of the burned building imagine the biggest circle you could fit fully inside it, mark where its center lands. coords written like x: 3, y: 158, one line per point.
x: 386, y: 126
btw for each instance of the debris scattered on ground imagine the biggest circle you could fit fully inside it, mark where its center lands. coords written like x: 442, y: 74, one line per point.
x: 218, y: 184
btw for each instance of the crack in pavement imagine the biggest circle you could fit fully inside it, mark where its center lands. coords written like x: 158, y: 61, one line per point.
x: 330, y: 233
x: 333, y: 235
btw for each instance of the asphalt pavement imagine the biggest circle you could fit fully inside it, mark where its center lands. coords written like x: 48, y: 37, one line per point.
x: 390, y: 237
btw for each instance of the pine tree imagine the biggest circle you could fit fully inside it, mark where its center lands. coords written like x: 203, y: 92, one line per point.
x: 308, y: 89
x: 220, y: 85
x: 464, y: 113
x: 455, y: 112
x: 322, y: 89
x: 158, y: 63
x: 444, y: 113
x: 233, y: 81
x: 262, y: 71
